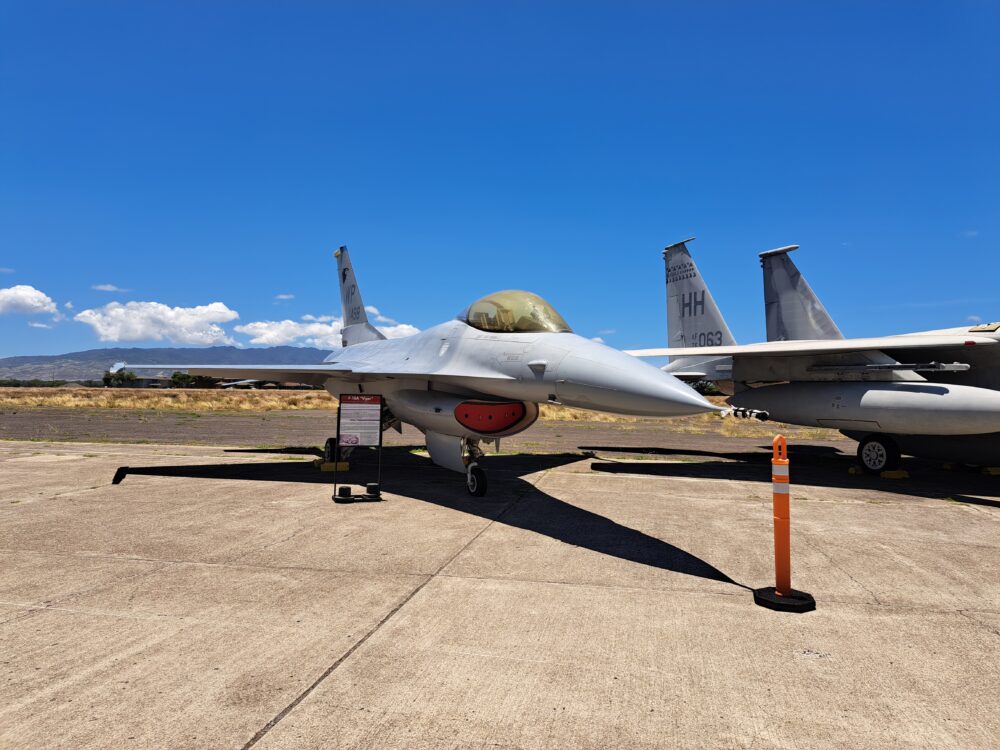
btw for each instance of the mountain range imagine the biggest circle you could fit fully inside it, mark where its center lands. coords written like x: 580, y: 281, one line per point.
x: 93, y: 363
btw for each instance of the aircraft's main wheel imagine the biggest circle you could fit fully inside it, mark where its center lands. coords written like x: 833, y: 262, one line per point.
x: 878, y: 453
x: 475, y: 480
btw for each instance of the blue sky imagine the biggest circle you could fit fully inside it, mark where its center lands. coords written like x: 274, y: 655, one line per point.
x: 207, y: 157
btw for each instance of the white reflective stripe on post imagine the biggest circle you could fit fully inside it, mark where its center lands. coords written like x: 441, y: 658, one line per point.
x: 779, y: 470
x: 779, y: 488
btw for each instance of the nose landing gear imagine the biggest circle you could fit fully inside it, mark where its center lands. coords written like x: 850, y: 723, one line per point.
x: 475, y: 480
x: 475, y: 477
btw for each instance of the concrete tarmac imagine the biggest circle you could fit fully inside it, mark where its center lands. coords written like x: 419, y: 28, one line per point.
x: 219, y: 599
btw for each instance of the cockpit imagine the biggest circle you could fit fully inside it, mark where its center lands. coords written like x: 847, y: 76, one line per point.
x: 514, y: 311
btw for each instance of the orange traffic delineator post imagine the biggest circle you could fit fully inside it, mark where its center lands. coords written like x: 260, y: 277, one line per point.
x: 782, y: 596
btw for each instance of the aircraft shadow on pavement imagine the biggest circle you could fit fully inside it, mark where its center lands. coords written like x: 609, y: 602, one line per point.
x: 512, y: 500
x: 812, y: 465
x: 299, y: 450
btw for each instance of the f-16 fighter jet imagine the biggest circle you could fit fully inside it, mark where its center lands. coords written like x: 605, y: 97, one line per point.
x: 478, y: 377
x: 934, y: 394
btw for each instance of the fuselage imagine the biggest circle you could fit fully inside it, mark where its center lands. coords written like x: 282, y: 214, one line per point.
x: 546, y: 367
x: 949, y: 415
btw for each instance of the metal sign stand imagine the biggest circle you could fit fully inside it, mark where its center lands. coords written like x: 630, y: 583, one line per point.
x: 359, y: 425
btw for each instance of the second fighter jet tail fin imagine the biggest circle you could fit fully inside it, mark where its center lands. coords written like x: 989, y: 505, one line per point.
x: 793, y: 310
x: 693, y: 318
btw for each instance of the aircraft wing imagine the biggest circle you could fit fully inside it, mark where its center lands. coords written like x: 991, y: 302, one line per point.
x: 837, y: 346
x: 310, y: 374
x: 316, y: 374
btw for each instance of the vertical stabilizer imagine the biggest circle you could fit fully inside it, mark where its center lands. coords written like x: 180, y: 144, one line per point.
x: 356, y: 326
x: 793, y: 311
x: 693, y: 319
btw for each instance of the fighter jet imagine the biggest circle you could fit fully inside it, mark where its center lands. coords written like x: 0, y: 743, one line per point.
x: 479, y: 377
x: 934, y: 394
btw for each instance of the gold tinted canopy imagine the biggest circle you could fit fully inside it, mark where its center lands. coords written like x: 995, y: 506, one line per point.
x: 514, y: 311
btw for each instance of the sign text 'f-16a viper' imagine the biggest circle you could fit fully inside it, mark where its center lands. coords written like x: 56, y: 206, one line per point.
x: 479, y: 377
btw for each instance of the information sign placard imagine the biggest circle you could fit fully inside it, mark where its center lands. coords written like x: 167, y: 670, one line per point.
x: 359, y: 425
x: 360, y: 420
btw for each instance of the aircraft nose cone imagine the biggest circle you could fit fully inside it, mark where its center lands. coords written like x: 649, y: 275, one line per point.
x: 608, y: 380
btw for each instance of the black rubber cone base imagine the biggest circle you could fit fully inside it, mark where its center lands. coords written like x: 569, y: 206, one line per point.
x: 794, y: 601
x: 345, y: 494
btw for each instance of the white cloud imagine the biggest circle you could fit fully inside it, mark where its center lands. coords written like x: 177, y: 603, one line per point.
x: 398, y: 331
x: 26, y: 300
x: 68, y: 305
x: 6, y: 270
x: 379, y: 317
x: 284, y: 296
x: 974, y: 319
x: 108, y: 288
x: 598, y: 339
x: 607, y: 332
x: 36, y: 324
x: 154, y: 321
x: 321, y: 331
x: 285, y: 332
x: 970, y: 234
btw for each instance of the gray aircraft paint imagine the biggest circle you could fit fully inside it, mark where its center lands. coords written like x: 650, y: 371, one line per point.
x: 693, y: 318
x: 792, y: 309
x: 924, y: 421
x: 356, y: 328
x: 424, y: 376
x: 891, y: 408
x: 885, y: 385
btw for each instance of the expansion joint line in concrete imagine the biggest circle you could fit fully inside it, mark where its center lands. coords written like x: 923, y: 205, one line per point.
x: 989, y: 629
x: 833, y: 563
x: 329, y: 670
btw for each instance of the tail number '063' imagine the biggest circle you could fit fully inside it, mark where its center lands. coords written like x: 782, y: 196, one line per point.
x: 706, y: 338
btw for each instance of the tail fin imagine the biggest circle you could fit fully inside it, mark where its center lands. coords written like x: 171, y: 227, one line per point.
x: 693, y: 318
x: 793, y: 310
x: 356, y: 329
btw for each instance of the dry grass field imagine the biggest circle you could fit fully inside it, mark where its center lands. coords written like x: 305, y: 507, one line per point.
x: 174, y: 399
x: 221, y: 402
x: 215, y: 400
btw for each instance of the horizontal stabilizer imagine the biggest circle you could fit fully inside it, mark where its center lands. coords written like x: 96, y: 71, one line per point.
x: 695, y: 376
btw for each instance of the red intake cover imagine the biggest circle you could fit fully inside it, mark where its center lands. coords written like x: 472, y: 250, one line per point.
x: 488, y: 417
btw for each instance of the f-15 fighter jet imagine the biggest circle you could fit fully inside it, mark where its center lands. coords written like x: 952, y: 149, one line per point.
x: 478, y: 377
x: 934, y: 394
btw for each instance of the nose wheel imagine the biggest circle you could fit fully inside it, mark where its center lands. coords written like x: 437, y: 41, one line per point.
x: 475, y: 480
